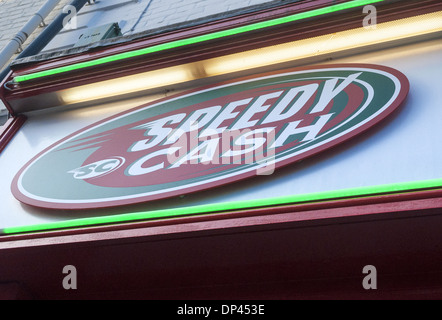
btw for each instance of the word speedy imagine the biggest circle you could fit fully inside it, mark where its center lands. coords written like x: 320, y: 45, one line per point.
x: 210, y: 127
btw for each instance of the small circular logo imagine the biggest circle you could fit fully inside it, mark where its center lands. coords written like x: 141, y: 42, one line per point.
x: 97, y: 169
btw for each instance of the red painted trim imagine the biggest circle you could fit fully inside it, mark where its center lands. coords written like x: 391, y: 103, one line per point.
x: 274, y: 255
x: 9, y: 129
x: 3, y: 92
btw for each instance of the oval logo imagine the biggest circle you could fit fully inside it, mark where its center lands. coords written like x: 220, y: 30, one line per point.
x: 210, y: 137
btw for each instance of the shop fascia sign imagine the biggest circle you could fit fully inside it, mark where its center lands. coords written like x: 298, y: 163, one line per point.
x: 210, y: 137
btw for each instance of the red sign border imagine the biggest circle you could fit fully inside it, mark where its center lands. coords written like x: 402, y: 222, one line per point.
x: 404, y: 90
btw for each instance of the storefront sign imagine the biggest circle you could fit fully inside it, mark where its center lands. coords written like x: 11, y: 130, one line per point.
x: 210, y: 136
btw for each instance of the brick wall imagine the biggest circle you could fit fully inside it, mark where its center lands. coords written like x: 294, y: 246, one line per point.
x: 165, y: 12
x: 135, y: 16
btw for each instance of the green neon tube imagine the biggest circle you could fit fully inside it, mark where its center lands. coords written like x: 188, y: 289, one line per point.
x: 197, y: 39
x: 231, y: 206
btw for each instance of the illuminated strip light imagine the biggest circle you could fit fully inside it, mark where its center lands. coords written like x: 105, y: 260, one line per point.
x: 328, y: 44
x: 407, y: 28
x: 197, y: 39
x: 231, y: 206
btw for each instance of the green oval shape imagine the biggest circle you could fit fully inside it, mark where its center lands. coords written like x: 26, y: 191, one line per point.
x: 210, y: 136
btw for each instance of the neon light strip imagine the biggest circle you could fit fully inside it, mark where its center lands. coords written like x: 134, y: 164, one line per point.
x: 197, y: 39
x: 231, y: 206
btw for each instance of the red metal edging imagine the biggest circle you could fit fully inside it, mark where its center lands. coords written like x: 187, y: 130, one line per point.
x: 9, y: 129
x: 269, y: 256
